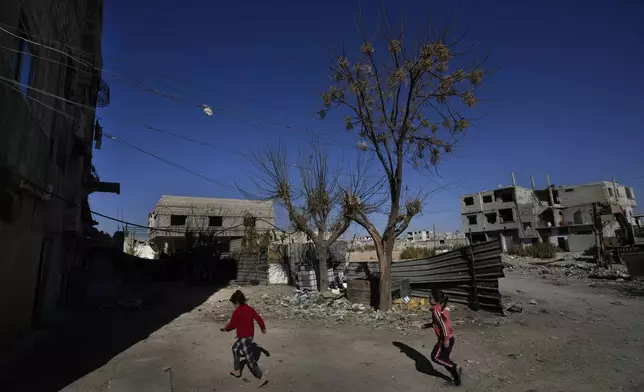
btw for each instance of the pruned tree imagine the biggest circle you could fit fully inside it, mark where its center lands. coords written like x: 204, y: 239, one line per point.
x: 254, y: 241
x: 312, y: 197
x: 405, y: 103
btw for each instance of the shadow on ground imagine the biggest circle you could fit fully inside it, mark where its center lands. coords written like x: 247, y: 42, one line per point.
x: 98, y: 335
x: 423, y: 364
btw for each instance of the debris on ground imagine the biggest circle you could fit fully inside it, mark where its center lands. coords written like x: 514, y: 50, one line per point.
x: 567, y: 268
x: 306, y: 305
x: 515, y: 308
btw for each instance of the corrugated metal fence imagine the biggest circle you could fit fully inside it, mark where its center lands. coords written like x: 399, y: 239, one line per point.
x: 469, y: 275
x: 251, y: 268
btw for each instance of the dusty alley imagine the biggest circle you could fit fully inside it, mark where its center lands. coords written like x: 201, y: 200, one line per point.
x: 568, y: 337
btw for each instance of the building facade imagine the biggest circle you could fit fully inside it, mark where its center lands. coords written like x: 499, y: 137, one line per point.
x: 562, y: 215
x: 49, y: 83
x: 176, y: 219
x: 419, y: 235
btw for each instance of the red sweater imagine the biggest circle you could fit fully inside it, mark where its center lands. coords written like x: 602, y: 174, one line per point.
x: 242, y: 321
x: 441, y: 322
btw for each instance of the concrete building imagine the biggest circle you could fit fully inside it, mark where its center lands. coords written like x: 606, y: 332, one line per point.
x: 176, y: 218
x: 46, y: 171
x: 419, y: 235
x: 559, y: 214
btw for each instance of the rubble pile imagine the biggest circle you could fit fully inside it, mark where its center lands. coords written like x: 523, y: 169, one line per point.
x: 307, y: 305
x: 336, y: 308
x: 577, y: 269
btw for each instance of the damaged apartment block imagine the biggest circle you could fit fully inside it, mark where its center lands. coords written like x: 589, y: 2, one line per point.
x: 562, y: 215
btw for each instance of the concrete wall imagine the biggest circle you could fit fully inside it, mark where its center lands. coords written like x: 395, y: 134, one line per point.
x: 578, y: 215
x: 198, y: 210
x: 603, y: 192
x: 35, y: 146
x: 580, y: 243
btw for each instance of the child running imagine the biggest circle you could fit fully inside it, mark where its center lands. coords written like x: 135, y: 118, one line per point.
x: 243, y: 321
x: 443, y: 328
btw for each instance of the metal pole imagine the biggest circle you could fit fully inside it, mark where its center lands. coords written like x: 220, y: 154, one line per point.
x: 475, y: 293
x: 434, y: 231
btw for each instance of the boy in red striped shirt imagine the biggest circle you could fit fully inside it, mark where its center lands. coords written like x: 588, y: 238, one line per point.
x: 243, y: 320
x: 443, y: 328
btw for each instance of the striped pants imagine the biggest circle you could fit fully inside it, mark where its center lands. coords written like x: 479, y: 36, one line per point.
x: 243, y: 349
x: 440, y: 355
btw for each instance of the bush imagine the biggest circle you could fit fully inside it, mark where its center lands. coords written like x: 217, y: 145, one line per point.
x: 414, y: 252
x: 540, y: 250
x: 367, y: 248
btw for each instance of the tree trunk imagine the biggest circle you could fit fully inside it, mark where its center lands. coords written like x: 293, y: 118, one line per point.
x: 384, y: 259
x: 323, y: 276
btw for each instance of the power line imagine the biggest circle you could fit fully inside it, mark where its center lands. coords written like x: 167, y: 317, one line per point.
x: 235, y: 111
x: 46, y: 93
x: 150, y: 229
x: 176, y: 165
x: 112, y: 137
x: 125, y: 63
x: 166, y: 95
x: 93, y: 67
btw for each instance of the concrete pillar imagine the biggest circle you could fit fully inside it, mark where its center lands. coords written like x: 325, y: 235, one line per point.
x: 555, y: 215
x: 550, y: 194
x: 514, y: 180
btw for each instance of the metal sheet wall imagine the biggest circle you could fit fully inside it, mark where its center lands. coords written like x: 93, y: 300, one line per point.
x: 472, y: 282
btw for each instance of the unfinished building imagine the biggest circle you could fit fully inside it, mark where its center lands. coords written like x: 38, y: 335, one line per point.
x: 176, y: 220
x: 562, y: 215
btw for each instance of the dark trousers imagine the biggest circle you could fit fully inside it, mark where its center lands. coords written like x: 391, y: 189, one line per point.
x: 242, y: 350
x: 440, y: 355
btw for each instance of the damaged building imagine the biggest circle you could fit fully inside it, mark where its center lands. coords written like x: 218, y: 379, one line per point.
x: 46, y: 148
x: 562, y: 215
x: 178, y: 220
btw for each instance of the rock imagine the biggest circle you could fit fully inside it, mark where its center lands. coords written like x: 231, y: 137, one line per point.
x: 516, y: 308
x: 532, y: 302
x: 515, y: 356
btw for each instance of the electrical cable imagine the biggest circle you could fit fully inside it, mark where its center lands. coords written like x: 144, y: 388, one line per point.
x: 46, y: 93
x: 237, y: 112
x: 112, y: 137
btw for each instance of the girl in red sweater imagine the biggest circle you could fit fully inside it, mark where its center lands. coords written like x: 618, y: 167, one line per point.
x: 443, y: 327
x: 243, y: 321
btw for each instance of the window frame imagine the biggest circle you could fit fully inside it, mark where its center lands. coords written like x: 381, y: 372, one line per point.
x: 183, y: 217
x: 215, y: 218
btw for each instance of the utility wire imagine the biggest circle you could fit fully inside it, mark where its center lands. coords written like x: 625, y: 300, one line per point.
x: 93, y: 67
x: 46, y: 93
x: 170, y: 96
x: 124, y: 142
x: 235, y: 112
x: 166, y: 230
x: 124, y: 63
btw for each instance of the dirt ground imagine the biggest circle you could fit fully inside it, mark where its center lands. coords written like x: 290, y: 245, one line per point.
x: 569, y: 337
x: 370, y: 255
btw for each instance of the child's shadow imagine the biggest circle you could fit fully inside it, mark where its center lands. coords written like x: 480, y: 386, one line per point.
x: 423, y: 365
x: 256, y: 351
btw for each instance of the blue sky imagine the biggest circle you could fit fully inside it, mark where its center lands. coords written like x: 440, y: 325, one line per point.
x: 566, y: 101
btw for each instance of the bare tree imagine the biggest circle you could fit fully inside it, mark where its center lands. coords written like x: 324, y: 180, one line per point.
x: 313, y: 199
x: 405, y: 104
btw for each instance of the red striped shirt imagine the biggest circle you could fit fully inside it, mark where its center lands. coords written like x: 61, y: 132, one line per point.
x: 441, y: 322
